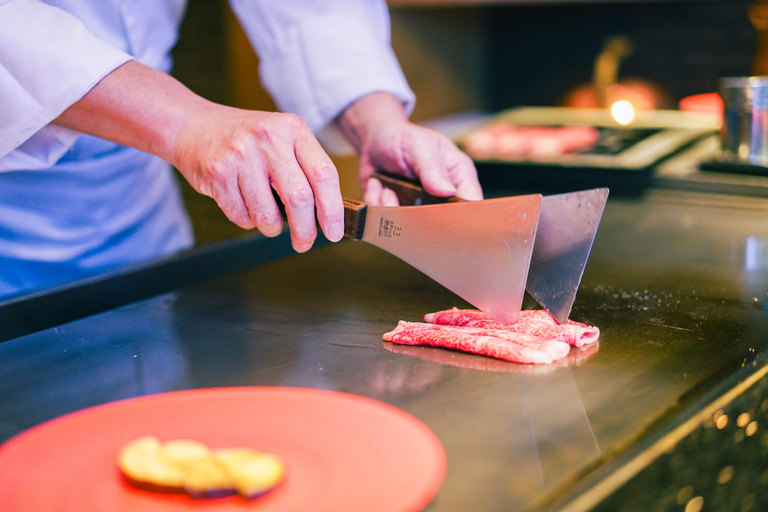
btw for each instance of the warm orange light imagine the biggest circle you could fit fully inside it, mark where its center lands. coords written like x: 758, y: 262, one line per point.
x: 623, y: 112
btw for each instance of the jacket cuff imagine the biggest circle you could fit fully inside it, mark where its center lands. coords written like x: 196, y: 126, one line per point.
x: 48, y: 61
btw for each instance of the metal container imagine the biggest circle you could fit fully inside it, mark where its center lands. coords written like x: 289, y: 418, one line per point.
x: 744, y: 132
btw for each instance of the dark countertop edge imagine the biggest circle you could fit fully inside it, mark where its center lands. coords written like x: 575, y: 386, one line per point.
x: 598, y: 481
x: 39, y: 310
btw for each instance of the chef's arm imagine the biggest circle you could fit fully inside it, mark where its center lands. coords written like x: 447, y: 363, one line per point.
x: 385, y: 139
x: 234, y: 156
x: 123, y: 108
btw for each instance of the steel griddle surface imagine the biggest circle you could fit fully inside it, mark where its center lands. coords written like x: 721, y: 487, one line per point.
x: 677, y: 283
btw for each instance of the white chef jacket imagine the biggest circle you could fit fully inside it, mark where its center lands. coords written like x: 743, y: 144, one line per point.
x: 72, y: 205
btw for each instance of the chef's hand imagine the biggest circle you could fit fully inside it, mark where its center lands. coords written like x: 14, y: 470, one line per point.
x: 386, y: 140
x: 234, y: 156
x: 237, y: 156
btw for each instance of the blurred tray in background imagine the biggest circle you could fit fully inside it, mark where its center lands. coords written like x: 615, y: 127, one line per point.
x: 619, y: 157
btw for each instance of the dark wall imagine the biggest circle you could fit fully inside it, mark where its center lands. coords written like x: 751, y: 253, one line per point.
x: 199, y: 57
x: 537, y: 54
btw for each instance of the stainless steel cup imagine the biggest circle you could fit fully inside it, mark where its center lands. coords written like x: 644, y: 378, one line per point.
x: 744, y: 133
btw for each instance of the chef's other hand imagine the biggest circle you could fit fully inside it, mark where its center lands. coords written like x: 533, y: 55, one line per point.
x: 237, y: 156
x: 386, y: 140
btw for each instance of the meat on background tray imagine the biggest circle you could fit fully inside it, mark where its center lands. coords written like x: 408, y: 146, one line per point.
x: 620, y: 157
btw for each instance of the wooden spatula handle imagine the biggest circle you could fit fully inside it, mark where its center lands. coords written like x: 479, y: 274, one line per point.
x: 354, y: 216
x: 410, y: 192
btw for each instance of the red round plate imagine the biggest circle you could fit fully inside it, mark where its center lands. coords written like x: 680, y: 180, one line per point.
x: 342, y: 452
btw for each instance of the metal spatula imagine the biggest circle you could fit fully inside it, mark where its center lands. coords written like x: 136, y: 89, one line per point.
x: 480, y: 250
x: 567, y: 227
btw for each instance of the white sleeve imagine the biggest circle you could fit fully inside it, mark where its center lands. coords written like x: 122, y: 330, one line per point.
x: 317, y: 58
x: 48, y: 61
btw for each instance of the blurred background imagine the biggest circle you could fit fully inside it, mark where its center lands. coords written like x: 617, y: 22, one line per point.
x: 488, y: 56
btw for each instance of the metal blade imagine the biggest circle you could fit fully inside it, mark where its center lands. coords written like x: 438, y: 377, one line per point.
x: 480, y: 250
x: 567, y: 227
